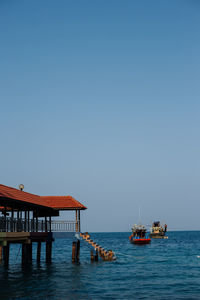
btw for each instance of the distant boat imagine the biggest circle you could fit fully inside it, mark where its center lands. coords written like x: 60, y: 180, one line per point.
x: 157, y: 231
x: 139, y: 235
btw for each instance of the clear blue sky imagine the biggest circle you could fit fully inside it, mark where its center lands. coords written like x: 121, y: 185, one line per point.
x: 101, y: 100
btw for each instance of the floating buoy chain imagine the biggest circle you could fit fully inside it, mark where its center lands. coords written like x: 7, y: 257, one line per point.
x: 104, y: 254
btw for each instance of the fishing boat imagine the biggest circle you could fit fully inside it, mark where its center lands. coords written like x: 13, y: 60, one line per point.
x: 157, y: 231
x: 139, y: 235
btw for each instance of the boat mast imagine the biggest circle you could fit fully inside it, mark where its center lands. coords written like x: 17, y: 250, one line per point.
x: 139, y: 217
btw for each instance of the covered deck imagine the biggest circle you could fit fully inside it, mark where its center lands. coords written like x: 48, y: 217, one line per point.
x: 27, y: 218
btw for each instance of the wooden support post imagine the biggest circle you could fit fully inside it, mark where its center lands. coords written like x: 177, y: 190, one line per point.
x: 92, y: 255
x: 18, y: 220
x: 48, y: 251
x: 25, y: 229
x: 32, y: 224
x: 6, y: 254
x: 79, y: 221
x: 77, y: 250
x: 49, y: 223
x: 5, y: 229
x: 96, y: 256
x: 24, y: 253
x: 73, y: 251
x: 29, y: 252
x: 76, y: 221
x: 38, y: 252
x: 28, y: 221
x: 1, y: 254
x: 45, y: 224
x: 37, y: 223
x: 12, y: 221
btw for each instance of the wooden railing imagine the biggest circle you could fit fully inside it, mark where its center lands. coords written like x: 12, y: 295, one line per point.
x: 19, y: 225
x: 64, y: 226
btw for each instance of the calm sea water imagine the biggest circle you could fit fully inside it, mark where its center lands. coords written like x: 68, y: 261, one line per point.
x: 165, y: 269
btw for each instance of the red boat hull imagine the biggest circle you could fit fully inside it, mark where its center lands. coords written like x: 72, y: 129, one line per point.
x: 141, y: 241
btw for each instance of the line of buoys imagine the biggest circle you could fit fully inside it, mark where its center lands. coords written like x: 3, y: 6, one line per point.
x: 107, y: 255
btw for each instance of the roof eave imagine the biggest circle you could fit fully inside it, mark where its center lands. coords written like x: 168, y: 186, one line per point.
x: 69, y: 208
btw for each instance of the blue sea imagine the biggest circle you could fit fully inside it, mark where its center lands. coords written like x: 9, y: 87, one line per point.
x: 164, y: 269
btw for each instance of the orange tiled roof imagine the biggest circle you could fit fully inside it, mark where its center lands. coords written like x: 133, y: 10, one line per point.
x: 62, y: 202
x: 55, y: 202
x: 15, y: 194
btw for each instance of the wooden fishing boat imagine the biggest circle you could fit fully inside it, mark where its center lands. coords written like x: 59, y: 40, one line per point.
x: 157, y: 231
x: 139, y: 235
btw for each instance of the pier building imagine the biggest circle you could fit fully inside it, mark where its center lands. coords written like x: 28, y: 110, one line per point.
x: 27, y: 218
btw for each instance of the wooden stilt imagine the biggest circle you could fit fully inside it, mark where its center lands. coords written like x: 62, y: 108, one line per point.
x: 1, y: 254
x: 92, y: 255
x: 76, y: 221
x: 77, y: 250
x: 28, y: 221
x: 25, y: 253
x: 18, y: 220
x: 29, y: 248
x: 73, y: 251
x: 33, y: 224
x: 6, y: 254
x: 25, y: 221
x: 50, y: 223
x: 45, y: 224
x: 48, y: 251
x: 11, y: 224
x: 36, y: 223
x: 38, y: 252
x: 79, y: 221
x: 96, y: 258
